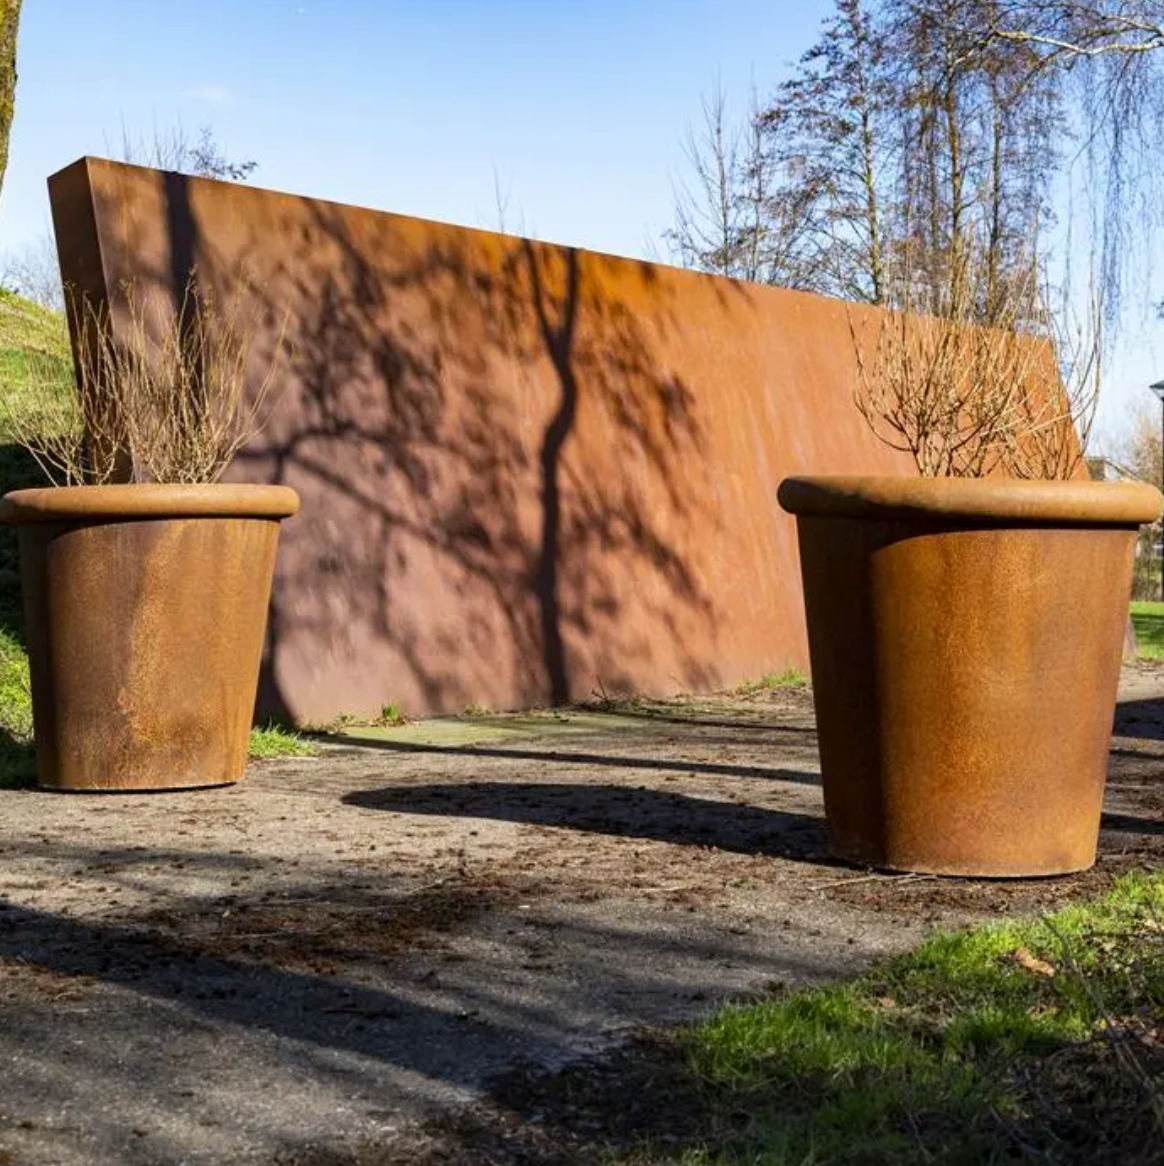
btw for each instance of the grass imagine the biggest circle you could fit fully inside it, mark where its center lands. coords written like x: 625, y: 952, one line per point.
x: 17, y: 763
x: 27, y: 327
x: 391, y: 715
x: 789, y: 678
x: 34, y: 351
x: 269, y: 741
x: 1034, y: 1041
x: 30, y: 338
x: 1148, y: 620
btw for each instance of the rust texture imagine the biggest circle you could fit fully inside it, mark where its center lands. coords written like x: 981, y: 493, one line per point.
x: 145, y: 610
x: 966, y: 640
x: 529, y: 473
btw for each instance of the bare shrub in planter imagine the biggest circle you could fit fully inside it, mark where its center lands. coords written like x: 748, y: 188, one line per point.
x: 980, y: 377
x: 965, y: 626
x: 164, y: 397
x: 146, y: 580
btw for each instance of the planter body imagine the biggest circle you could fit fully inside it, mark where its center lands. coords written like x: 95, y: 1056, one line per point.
x: 965, y: 640
x: 145, y: 608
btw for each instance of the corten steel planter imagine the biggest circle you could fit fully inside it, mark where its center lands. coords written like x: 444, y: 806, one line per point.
x: 965, y: 639
x: 145, y: 608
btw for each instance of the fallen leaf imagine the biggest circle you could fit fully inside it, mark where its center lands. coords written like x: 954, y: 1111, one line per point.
x: 1032, y: 963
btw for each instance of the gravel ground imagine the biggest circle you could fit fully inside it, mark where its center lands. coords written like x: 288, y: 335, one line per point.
x: 344, y: 951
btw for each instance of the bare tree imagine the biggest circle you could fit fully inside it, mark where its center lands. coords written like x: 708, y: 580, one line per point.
x: 1063, y: 31
x: 906, y: 126
x: 1140, y: 451
x: 830, y: 127
x: 175, y: 149
x: 504, y: 221
x: 924, y: 140
x: 977, y: 126
x: 743, y: 212
x: 706, y: 233
x: 1108, y: 61
x: 33, y: 271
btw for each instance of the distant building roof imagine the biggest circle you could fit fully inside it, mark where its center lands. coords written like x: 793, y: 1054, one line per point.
x: 1103, y: 469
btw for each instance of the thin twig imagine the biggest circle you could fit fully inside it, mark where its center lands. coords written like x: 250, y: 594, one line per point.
x: 911, y: 877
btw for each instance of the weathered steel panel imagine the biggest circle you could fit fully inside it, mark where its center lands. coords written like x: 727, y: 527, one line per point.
x: 529, y: 473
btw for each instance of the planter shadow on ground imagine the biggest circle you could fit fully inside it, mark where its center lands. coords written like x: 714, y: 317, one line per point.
x: 17, y: 761
x: 1131, y: 824
x: 1140, y: 718
x: 613, y: 761
x: 746, y: 722
x: 617, y: 811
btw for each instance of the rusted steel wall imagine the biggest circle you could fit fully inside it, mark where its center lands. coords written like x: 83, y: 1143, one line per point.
x: 529, y: 473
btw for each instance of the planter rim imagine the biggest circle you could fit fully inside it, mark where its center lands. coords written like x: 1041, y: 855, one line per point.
x: 1077, y: 502
x: 147, y: 500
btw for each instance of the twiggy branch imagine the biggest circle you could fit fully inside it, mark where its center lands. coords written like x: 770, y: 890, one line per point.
x: 1154, y: 40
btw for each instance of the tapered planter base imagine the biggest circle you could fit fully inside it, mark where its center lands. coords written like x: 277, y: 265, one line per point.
x: 145, y: 609
x: 965, y: 640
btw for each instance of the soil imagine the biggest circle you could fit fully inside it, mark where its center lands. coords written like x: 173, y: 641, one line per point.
x: 389, y: 952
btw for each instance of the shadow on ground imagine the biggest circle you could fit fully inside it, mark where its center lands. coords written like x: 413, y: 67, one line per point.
x: 601, y: 760
x: 1140, y: 718
x: 337, y: 949
x: 618, y: 811
x: 216, y: 1024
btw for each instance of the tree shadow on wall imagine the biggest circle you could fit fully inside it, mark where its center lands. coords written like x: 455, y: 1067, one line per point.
x: 447, y: 518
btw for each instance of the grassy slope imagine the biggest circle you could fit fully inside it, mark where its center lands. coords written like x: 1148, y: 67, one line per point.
x: 34, y: 347
x: 27, y: 330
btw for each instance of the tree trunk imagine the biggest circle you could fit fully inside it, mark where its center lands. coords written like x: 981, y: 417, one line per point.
x: 9, y: 22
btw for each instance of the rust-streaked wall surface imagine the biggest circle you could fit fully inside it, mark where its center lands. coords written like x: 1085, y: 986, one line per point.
x: 529, y: 473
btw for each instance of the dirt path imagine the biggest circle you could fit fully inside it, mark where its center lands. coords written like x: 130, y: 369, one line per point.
x: 341, y: 948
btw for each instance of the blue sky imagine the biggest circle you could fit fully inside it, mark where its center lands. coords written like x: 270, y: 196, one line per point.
x: 407, y: 106
x: 425, y: 107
